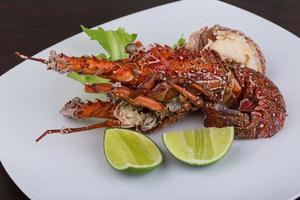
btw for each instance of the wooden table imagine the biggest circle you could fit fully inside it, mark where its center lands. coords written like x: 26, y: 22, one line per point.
x: 34, y: 25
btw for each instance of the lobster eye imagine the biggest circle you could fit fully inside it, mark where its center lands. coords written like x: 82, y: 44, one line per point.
x: 225, y: 78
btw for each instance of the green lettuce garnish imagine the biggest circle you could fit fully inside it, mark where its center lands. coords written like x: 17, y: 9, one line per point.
x: 87, y: 79
x: 180, y: 42
x: 114, y: 42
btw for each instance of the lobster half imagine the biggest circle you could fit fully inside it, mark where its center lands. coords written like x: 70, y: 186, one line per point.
x: 157, y: 86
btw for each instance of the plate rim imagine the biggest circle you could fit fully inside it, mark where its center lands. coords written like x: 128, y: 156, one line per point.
x: 11, y: 70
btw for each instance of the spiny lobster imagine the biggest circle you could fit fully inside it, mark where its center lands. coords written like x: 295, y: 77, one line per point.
x: 156, y: 86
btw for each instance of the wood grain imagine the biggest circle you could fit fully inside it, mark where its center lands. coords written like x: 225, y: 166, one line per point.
x: 34, y: 25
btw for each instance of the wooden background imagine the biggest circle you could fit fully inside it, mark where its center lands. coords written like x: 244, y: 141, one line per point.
x: 33, y: 25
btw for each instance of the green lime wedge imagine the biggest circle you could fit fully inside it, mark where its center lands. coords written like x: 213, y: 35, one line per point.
x: 200, y: 146
x: 129, y: 151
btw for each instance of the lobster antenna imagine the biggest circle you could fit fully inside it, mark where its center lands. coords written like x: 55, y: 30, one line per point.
x: 107, y: 123
x: 30, y: 58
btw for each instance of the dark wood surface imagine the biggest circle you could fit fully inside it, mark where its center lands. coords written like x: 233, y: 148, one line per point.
x: 34, y: 25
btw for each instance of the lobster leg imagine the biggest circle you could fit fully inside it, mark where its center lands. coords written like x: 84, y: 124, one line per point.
x: 209, y: 93
x: 131, y: 96
x: 143, y: 100
x: 198, y: 101
x: 221, y: 116
x: 149, y: 82
x: 162, y: 92
x: 107, y: 123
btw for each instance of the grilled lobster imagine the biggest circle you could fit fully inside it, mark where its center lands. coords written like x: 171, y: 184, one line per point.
x: 158, y: 85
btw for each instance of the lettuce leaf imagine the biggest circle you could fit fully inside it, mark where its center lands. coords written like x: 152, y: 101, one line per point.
x: 87, y: 79
x: 180, y: 42
x: 114, y: 42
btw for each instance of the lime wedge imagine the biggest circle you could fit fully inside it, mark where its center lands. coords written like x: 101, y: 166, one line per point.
x: 129, y: 151
x: 200, y: 146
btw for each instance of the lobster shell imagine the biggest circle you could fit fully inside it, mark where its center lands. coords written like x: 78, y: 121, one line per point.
x: 223, y: 40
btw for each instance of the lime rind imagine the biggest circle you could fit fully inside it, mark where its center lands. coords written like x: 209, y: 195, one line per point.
x: 199, y: 147
x: 133, y: 152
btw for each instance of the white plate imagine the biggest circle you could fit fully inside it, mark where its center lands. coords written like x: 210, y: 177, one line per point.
x: 74, y: 167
